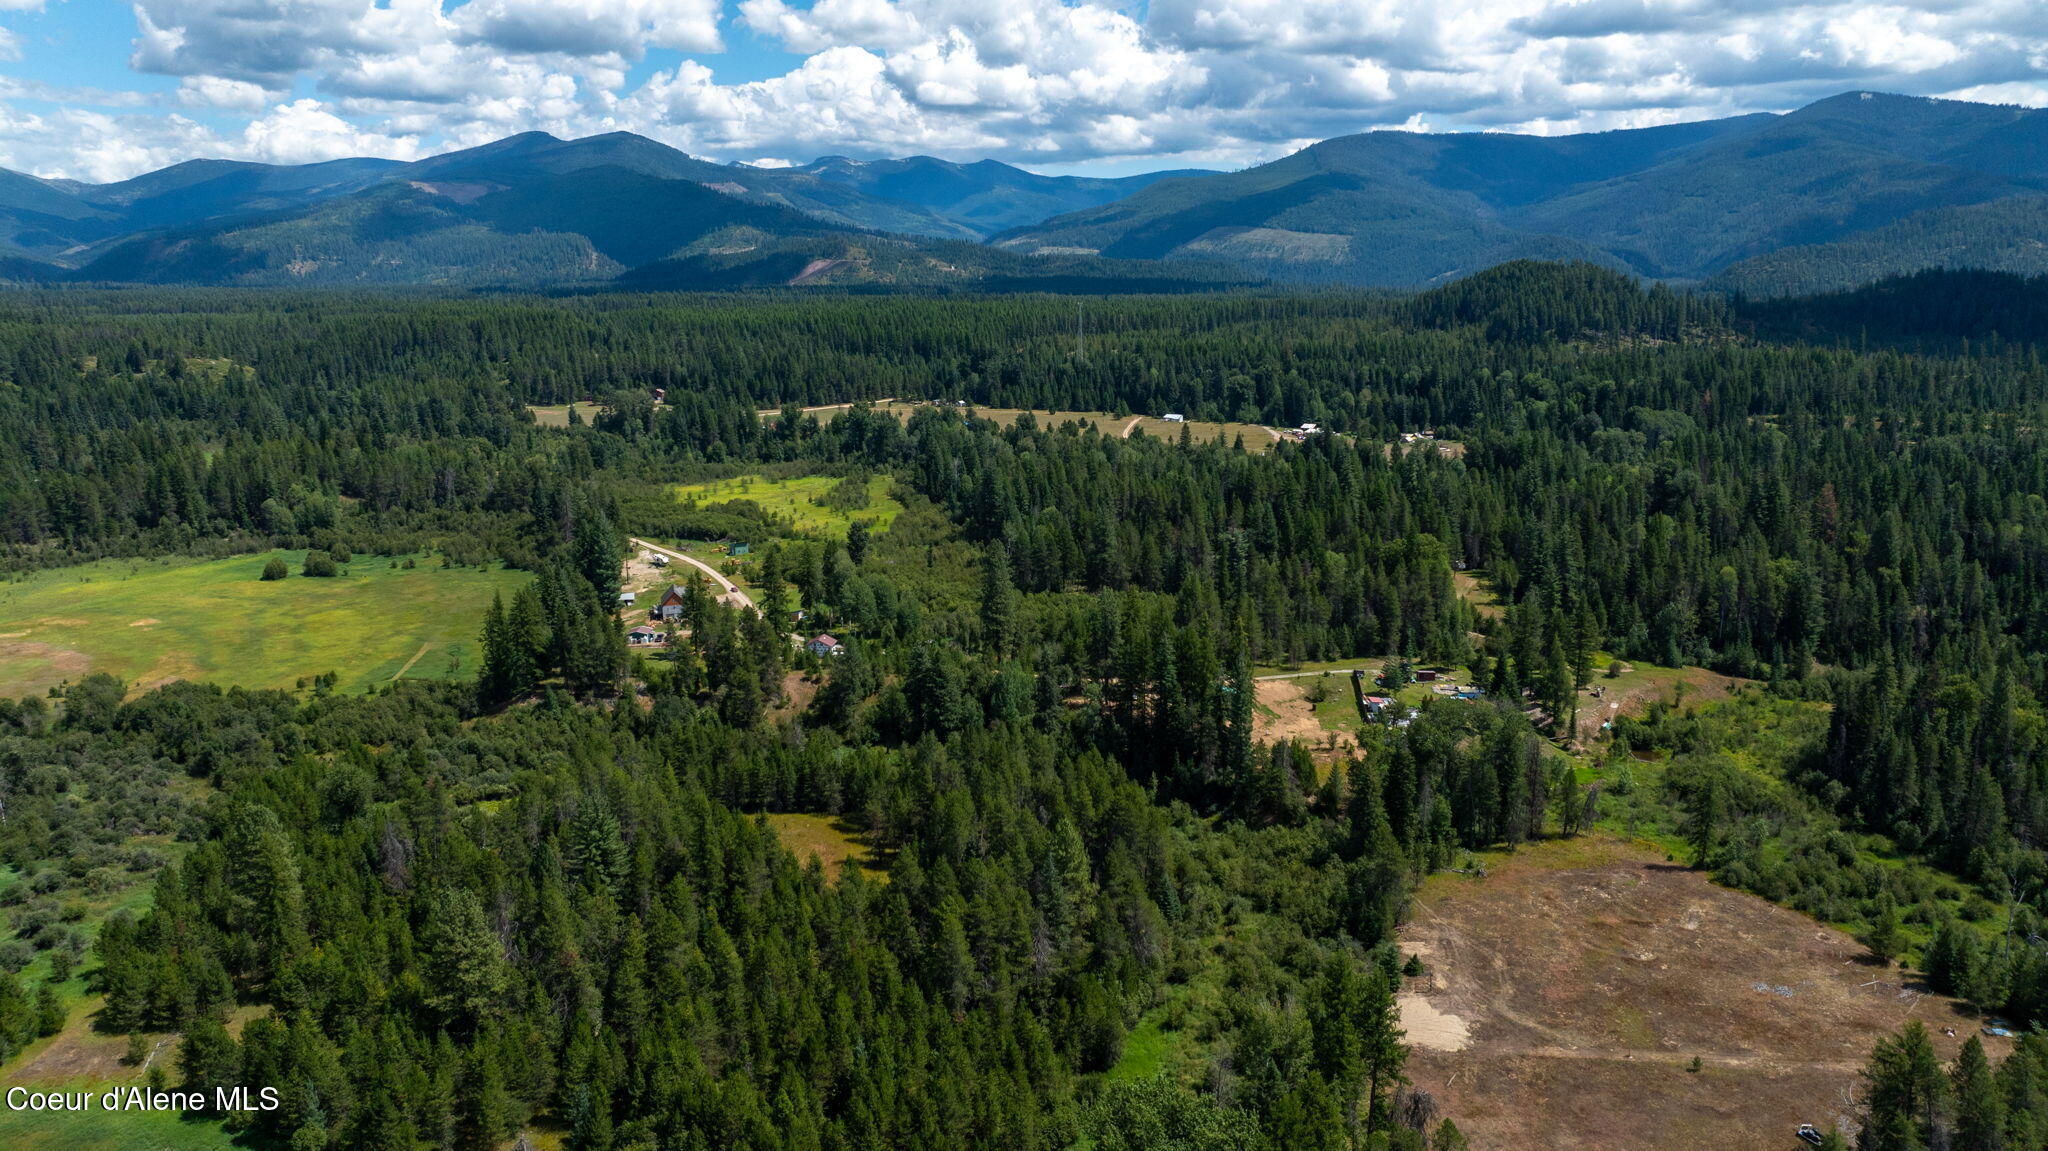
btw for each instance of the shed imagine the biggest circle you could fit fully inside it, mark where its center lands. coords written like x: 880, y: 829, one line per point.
x: 643, y: 636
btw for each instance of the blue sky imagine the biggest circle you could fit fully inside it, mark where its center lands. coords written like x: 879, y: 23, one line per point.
x: 100, y: 89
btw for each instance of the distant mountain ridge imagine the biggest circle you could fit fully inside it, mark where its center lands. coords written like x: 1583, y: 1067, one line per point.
x: 1685, y: 203
x: 1839, y: 193
x: 987, y: 195
x: 533, y: 210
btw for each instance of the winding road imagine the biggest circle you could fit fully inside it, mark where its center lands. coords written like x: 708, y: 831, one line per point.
x: 731, y: 594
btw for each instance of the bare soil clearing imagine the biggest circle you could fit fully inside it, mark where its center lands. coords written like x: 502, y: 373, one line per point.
x: 1588, y: 975
x: 1632, y: 693
x: 798, y: 690
x: 641, y: 577
x: 1284, y: 712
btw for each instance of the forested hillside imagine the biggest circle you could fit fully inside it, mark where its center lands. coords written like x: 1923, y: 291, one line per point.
x: 1841, y: 192
x: 1105, y: 914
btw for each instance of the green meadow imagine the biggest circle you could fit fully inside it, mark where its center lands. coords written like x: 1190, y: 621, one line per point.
x: 152, y: 621
x: 98, y: 1130
x: 80, y: 1058
x: 801, y: 501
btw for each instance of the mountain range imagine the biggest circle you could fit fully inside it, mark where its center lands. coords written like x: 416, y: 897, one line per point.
x: 1842, y: 191
x: 1838, y: 193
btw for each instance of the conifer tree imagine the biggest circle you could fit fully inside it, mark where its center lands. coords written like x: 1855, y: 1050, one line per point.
x: 1979, y: 1106
x: 998, y: 601
x: 1905, y: 1092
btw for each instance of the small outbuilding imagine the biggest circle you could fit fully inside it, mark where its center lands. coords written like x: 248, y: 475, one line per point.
x: 644, y: 636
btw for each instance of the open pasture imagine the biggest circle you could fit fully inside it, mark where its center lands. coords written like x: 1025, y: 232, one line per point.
x: 148, y: 622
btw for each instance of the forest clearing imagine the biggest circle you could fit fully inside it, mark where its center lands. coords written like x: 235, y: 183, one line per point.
x: 148, y: 622
x: 832, y: 841
x: 810, y: 504
x: 1589, y: 973
x: 81, y: 1058
x: 1256, y: 437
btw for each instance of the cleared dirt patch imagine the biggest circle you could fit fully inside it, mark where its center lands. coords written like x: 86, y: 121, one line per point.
x: 1284, y: 712
x: 1429, y: 1027
x: 1590, y: 974
x: 1632, y: 693
x: 798, y: 690
x: 641, y: 577
x: 78, y: 1052
x: 36, y: 667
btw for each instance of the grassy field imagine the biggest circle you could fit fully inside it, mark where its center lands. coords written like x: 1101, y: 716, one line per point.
x: 799, y: 501
x: 1257, y: 438
x: 1474, y: 589
x: 78, y: 1058
x: 98, y: 1130
x: 830, y: 840
x: 557, y: 415
x: 1149, y: 1049
x: 1370, y: 663
x: 152, y: 621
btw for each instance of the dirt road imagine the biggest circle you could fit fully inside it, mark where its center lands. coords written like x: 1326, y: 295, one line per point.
x: 731, y: 593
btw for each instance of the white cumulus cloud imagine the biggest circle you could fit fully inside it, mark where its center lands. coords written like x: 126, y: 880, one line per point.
x: 1052, y: 82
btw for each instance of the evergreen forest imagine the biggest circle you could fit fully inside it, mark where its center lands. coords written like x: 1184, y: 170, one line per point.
x: 551, y: 896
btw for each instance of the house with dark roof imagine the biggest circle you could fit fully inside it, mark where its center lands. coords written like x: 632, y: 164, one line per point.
x: 671, y: 605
